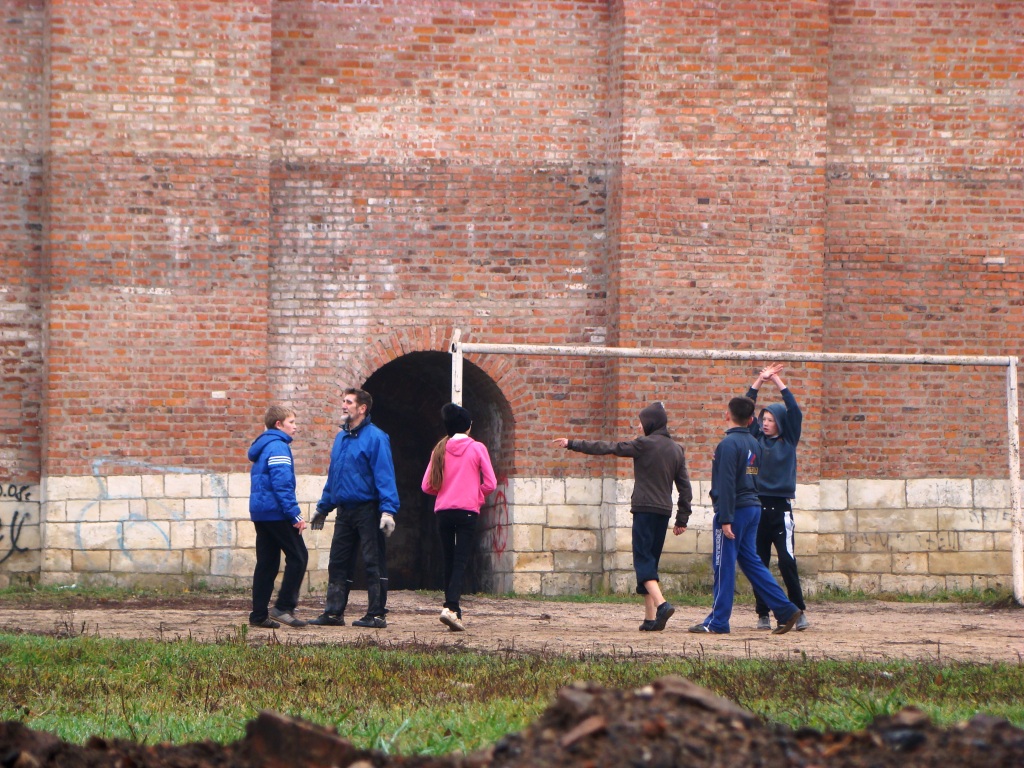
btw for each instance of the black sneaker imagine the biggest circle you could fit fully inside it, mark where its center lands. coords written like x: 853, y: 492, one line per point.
x: 267, y: 623
x: 790, y: 623
x: 648, y: 625
x: 374, y: 622
x: 665, y: 611
x: 700, y: 629
x: 327, y: 620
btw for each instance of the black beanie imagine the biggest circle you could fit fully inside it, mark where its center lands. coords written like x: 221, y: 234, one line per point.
x: 456, y: 419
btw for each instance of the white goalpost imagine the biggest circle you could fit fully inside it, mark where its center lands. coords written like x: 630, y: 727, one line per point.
x: 459, y: 348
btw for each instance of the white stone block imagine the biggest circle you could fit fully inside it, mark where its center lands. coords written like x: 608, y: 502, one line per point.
x: 940, y: 492
x: 308, y: 488
x: 582, y: 490
x: 232, y: 562
x: 165, y: 509
x: 552, y: 490
x: 123, y: 486
x: 146, y: 534
x: 569, y: 540
x: 701, y: 518
x: 238, y: 484
x: 183, y: 535
x: 92, y: 536
x: 215, y: 485
x: 205, y: 509
x: 114, y: 509
x: 527, y: 490
x: 87, y: 510
x: 624, y: 490
x: 64, y: 488
x: 807, y: 497
x: 991, y: 494
x: 152, y: 486
x: 529, y: 514
x: 239, y: 509
x: 877, y: 494
x: 183, y: 486
x: 54, y: 511
x: 215, y: 533
x: 56, y: 560
x: 566, y: 516
x: 245, y: 535
x: 805, y: 521
x: 60, y: 536
x: 832, y: 494
x: 166, y: 561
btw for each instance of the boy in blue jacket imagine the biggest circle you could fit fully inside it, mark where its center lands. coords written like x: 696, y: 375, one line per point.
x: 777, y: 431
x: 737, y: 511
x: 275, y: 512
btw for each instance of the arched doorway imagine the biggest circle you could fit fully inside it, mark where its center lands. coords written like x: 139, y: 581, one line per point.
x: 407, y: 397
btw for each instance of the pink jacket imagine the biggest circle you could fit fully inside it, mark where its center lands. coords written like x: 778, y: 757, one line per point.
x: 468, y: 476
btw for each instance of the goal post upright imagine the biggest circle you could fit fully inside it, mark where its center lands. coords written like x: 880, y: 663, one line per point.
x: 458, y: 348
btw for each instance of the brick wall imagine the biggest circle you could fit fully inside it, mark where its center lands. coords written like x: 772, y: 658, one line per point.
x: 246, y: 201
x: 925, y: 222
x: 158, y: 194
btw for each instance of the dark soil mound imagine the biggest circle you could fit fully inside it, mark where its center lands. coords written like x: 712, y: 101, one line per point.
x: 669, y: 723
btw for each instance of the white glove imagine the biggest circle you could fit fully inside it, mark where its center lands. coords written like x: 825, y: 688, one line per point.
x: 387, y: 523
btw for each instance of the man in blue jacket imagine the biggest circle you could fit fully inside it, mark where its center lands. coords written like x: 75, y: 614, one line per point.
x: 361, y: 486
x: 777, y: 431
x: 737, y: 511
x: 275, y: 512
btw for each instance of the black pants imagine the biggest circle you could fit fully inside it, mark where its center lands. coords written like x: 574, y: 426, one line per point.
x: 272, y: 538
x: 649, y: 531
x: 458, y: 532
x: 776, y: 529
x: 356, y: 526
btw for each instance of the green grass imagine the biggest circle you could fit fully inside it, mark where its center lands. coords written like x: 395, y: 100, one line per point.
x: 426, y: 700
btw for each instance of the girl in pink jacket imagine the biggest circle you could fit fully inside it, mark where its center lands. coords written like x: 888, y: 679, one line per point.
x: 461, y: 476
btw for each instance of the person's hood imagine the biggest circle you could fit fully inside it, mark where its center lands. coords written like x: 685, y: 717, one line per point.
x: 261, y: 442
x: 653, y: 417
x: 780, y: 414
x: 458, y: 447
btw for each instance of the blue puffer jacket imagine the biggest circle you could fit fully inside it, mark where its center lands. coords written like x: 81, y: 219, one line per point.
x: 361, y: 470
x: 272, y: 479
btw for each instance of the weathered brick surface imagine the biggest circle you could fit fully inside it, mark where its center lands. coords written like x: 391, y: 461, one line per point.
x: 245, y: 201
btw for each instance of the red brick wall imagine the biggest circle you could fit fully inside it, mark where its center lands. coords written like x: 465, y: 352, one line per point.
x: 271, y: 199
x: 158, y: 188
x: 925, y: 230
x: 21, y: 240
x: 441, y: 164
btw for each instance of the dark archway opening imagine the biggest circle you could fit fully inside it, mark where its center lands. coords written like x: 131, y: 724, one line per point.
x: 408, y: 394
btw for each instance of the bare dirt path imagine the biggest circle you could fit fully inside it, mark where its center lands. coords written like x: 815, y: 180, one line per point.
x: 864, y: 630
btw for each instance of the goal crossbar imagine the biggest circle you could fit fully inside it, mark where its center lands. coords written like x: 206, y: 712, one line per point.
x: 459, y: 348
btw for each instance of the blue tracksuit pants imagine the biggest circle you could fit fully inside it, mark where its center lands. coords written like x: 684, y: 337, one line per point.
x: 742, y: 550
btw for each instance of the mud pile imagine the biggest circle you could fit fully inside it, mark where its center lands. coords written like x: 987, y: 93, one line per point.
x: 672, y: 722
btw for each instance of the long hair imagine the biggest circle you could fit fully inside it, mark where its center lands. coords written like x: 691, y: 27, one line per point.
x: 437, y: 463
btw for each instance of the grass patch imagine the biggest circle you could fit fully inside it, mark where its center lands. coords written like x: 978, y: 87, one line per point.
x: 426, y: 700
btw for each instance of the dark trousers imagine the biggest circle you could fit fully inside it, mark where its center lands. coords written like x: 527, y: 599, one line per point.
x: 272, y: 538
x: 776, y: 529
x: 458, y: 532
x: 356, y: 526
x: 649, y: 531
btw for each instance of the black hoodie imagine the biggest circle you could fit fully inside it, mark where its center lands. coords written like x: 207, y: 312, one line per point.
x: 658, y: 462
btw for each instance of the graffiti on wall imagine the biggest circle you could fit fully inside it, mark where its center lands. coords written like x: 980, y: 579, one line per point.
x: 10, y: 530
x: 499, y: 517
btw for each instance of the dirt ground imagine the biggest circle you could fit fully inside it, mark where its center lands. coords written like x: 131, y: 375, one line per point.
x: 861, y: 630
x: 668, y: 723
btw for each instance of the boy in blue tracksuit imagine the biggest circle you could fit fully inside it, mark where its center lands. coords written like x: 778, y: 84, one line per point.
x: 275, y: 512
x: 737, y: 511
x: 778, y: 431
x: 361, y: 486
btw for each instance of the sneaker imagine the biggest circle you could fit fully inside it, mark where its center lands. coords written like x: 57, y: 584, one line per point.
x: 802, y: 623
x: 287, y: 617
x: 648, y: 625
x: 327, y: 620
x: 451, y: 619
x: 665, y: 611
x: 763, y: 622
x: 790, y: 623
x: 267, y: 623
x: 700, y: 629
x: 374, y: 622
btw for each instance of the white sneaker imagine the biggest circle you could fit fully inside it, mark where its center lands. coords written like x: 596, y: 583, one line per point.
x: 450, y: 619
x: 802, y: 623
x: 763, y: 622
